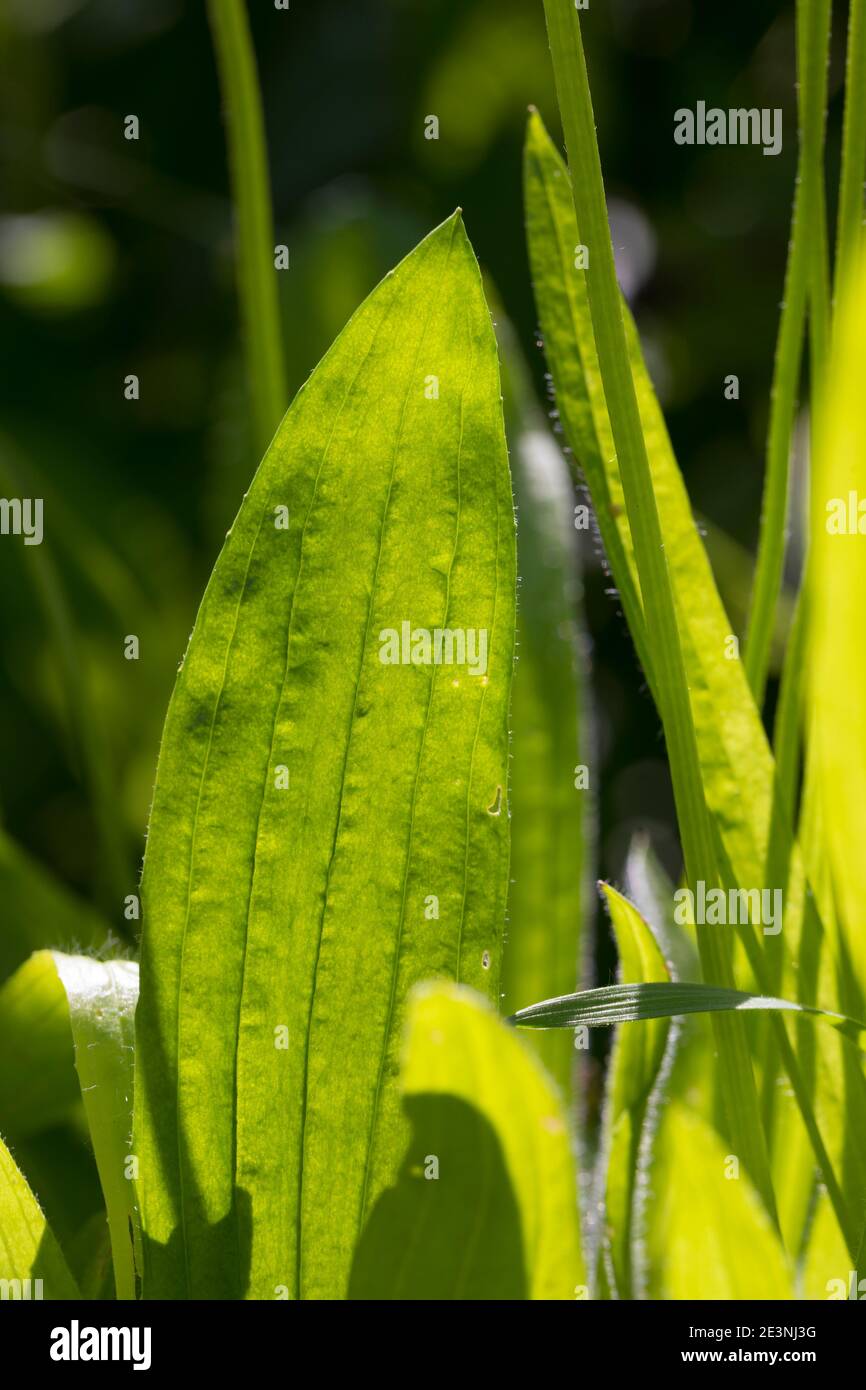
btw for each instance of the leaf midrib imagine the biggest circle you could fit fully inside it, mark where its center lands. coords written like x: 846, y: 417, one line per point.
x: 339, y: 819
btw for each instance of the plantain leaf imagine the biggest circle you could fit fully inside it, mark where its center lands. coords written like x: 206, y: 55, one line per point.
x: 665, y: 631
x: 101, y: 999
x: 709, y: 1236
x: 328, y: 826
x: 29, y: 1252
x: 485, y: 1205
x: 749, y: 811
x: 736, y: 763
x: 634, y: 1069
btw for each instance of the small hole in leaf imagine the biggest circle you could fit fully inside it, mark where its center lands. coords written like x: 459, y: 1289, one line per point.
x: 496, y: 806
x: 485, y: 960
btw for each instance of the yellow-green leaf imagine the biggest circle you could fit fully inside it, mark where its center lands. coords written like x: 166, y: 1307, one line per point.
x: 328, y: 827
x: 634, y: 1068
x: 485, y: 1204
x: 31, y: 1262
x: 709, y: 1236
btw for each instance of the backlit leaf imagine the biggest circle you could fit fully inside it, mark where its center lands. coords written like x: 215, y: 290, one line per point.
x: 28, y: 1250
x: 485, y: 1205
x: 328, y: 829
x: 102, y: 997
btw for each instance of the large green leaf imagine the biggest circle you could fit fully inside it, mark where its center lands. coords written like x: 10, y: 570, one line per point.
x: 634, y: 1069
x: 28, y: 1250
x: 327, y: 829
x: 101, y: 997
x: 485, y: 1204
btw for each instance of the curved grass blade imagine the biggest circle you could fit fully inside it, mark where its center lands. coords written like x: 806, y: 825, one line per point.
x: 31, y: 1262
x: 328, y: 827
x: 101, y: 999
x: 634, y: 1003
x: 485, y: 1205
x: 634, y: 1069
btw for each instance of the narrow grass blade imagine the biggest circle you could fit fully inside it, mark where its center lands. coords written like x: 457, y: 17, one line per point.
x: 837, y: 660
x: 807, y: 250
x: 671, y: 688
x: 101, y: 999
x: 632, y: 1074
x: 490, y: 1143
x: 329, y: 827
x: 257, y: 282
x: 631, y: 1003
x: 31, y: 1262
x: 849, y: 227
x: 550, y: 794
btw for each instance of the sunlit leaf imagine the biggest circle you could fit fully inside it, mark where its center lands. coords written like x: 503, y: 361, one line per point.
x: 709, y: 1236
x: 101, y: 1007
x: 29, y: 1252
x: 485, y: 1204
x: 327, y: 827
x: 633, y: 1071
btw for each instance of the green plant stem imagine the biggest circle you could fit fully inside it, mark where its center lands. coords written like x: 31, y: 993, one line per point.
x: 575, y: 103
x: 257, y: 287
x: 813, y: 37
x: 849, y: 225
x: 789, y: 710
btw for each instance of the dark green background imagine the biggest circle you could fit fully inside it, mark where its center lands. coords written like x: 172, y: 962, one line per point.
x: 138, y: 495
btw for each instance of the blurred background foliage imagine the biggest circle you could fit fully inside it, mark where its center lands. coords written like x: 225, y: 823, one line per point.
x: 116, y: 258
